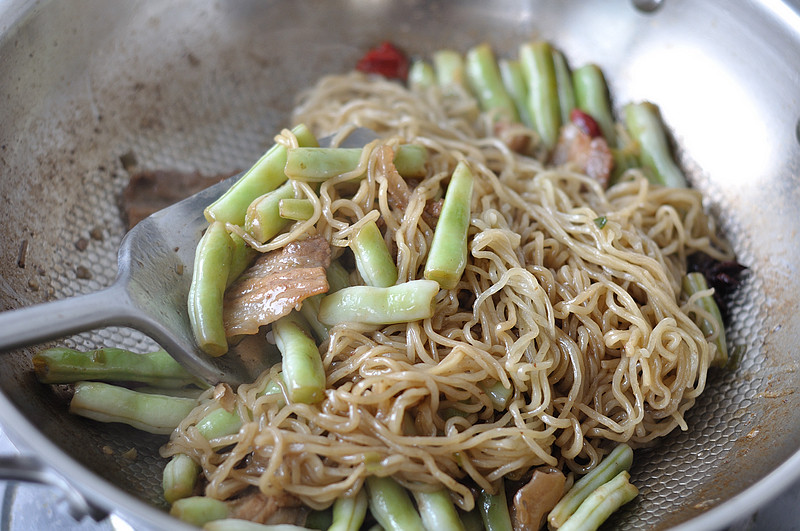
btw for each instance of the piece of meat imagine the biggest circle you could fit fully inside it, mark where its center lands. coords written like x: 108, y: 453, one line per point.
x: 275, y: 284
x: 149, y: 191
x: 269, y: 510
x: 398, y: 191
x: 536, y: 498
x: 591, y: 156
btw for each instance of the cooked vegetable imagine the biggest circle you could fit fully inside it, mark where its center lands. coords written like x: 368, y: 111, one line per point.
x: 447, y: 257
x: 263, y: 219
x: 619, y: 460
x: 483, y: 79
x: 219, y: 423
x: 264, y: 176
x: 235, y: 524
x: 349, y: 512
x: 421, y: 75
x: 591, y: 95
x: 643, y: 121
x: 537, y: 66
x: 303, y: 372
x: 212, y: 264
x: 564, y: 82
x: 448, y: 66
x: 437, y: 510
x: 601, y: 503
x: 401, y: 303
x: 296, y: 209
x: 110, y: 403
x: 494, y: 510
x: 694, y: 283
x: 59, y: 365
x: 391, y: 505
x: 180, y: 478
x: 199, y: 510
x: 320, y: 164
x: 373, y: 259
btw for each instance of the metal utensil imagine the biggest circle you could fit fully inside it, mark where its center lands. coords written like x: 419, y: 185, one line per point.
x: 149, y: 294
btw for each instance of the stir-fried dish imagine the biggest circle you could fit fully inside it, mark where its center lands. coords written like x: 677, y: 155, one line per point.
x: 475, y: 315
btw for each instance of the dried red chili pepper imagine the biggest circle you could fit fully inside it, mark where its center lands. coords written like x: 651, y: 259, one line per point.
x: 585, y: 122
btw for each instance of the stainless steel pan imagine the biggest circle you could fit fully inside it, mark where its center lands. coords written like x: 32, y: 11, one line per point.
x: 203, y: 85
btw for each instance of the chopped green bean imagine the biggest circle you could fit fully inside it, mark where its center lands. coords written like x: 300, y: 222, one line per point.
x: 373, y: 259
x: 309, y: 309
x: 643, y: 121
x: 617, y: 461
x: 199, y: 510
x: 61, y: 365
x: 401, y: 303
x: 212, y: 264
x: 421, y: 75
x: 263, y: 219
x: 494, y: 510
x: 316, y: 164
x: 498, y: 394
x: 592, y: 97
x: 391, y: 505
x: 110, y: 403
x: 537, y: 66
x: 695, y: 283
x: 566, y: 91
x: 338, y: 277
x: 349, y: 512
x: 296, y: 209
x: 447, y: 257
x: 264, y: 176
x: 438, y: 511
x: 219, y: 423
x: 483, y: 79
x: 601, y: 504
x: 448, y: 65
x: 180, y: 477
x: 303, y: 373
x: 320, y: 520
x: 517, y: 88
x: 242, y: 256
x: 235, y: 524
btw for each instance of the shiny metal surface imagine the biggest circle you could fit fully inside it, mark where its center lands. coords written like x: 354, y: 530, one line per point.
x: 204, y: 85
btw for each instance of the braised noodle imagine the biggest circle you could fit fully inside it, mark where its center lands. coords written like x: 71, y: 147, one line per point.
x: 582, y: 319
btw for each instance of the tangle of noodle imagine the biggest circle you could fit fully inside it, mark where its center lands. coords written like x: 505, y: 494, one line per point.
x: 583, y: 323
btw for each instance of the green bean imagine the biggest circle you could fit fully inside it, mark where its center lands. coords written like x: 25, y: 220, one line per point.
x: 391, y: 505
x: 498, y: 394
x: 180, y: 477
x: 447, y: 256
x: 109, y: 403
x: 566, y: 91
x: 349, y: 512
x: 421, y: 75
x: 592, y: 97
x: 199, y: 510
x: 448, y: 65
x: 601, y: 504
x: 438, y: 511
x: 303, y: 373
x: 264, y: 176
x: 483, y: 79
x: 494, y: 510
x: 296, y: 209
x: 61, y: 365
x: 643, y: 121
x: 263, y: 219
x: 537, y: 65
x: 695, y: 283
x: 517, y: 88
x: 338, y: 277
x: 316, y: 164
x: 234, y: 524
x: 617, y: 461
x: 471, y: 521
x: 320, y: 520
x: 373, y: 259
x: 309, y: 309
x: 242, y: 256
x: 401, y: 303
x: 219, y: 423
x: 212, y: 264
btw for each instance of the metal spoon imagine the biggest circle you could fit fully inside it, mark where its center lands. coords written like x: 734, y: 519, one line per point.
x: 149, y: 294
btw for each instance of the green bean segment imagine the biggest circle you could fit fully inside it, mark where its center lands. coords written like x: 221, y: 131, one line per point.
x: 391, y: 505
x: 303, y: 373
x: 695, y: 283
x: 448, y: 65
x: 316, y: 164
x: 61, y: 365
x: 592, y: 97
x: 643, y: 121
x: 199, y: 510
x: 349, y: 512
x: 421, y: 75
x: 438, y: 511
x: 517, y: 88
x: 401, y: 303
x: 566, y: 91
x: 537, y: 66
x: 483, y: 79
x: 494, y: 510
x: 373, y: 259
x: 235, y: 524
x: 212, y: 264
x: 601, y: 504
x: 296, y: 209
x: 179, y: 478
x: 219, y: 423
x: 264, y: 176
x: 447, y: 257
x: 263, y: 219
x: 110, y: 403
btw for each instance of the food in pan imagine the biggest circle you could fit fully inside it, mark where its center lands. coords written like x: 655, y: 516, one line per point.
x: 475, y: 316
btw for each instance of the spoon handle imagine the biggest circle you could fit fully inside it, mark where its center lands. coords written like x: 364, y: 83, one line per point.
x: 50, y: 320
